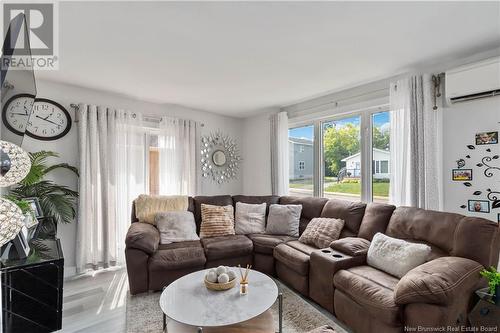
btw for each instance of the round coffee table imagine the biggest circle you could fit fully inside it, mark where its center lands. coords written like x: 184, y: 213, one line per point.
x: 187, y: 301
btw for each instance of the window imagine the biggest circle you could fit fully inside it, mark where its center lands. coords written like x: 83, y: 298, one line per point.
x: 301, y: 149
x: 381, y: 126
x: 154, y: 166
x: 344, y: 154
x: 342, y: 158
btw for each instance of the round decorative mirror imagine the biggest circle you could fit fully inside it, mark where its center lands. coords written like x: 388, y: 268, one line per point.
x: 219, y: 157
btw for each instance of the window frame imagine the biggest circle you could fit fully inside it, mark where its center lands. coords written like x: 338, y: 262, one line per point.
x: 366, y: 145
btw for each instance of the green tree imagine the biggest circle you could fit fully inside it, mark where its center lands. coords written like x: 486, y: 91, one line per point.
x: 380, y: 139
x: 339, y: 143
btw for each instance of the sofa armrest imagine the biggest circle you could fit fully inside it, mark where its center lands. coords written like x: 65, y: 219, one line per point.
x: 143, y: 236
x: 353, y: 246
x: 439, y: 281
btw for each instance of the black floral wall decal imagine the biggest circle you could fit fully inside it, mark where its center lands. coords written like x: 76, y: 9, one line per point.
x: 471, y: 147
x: 488, y: 172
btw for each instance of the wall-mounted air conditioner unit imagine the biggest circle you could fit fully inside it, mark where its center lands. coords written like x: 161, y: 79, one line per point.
x: 473, y: 81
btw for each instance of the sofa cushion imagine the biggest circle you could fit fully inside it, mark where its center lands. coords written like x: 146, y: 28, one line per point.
x: 177, y: 256
x: 216, y: 221
x: 179, y: 245
x: 142, y: 236
x: 265, y: 244
x: 375, y: 219
x: 295, y: 255
x: 351, y: 212
x: 353, y: 246
x: 257, y: 199
x: 177, y: 226
x: 311, y: 208
x: 292, y: 258
x: 321, y: 231
x: 227, y: 246
x: 373, y: 289
x: 396, y: 256
x: 249, y: 218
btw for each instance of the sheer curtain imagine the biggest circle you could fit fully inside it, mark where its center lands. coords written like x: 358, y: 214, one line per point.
x: 415, y: 144
x: 112, y: 164
x: 279, y: 154
x: 177, y: 146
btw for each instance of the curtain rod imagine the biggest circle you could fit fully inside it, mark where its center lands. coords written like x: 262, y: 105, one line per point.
x: 146, y: 117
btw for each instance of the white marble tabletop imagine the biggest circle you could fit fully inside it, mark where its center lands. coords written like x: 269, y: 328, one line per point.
x: 188, y: 301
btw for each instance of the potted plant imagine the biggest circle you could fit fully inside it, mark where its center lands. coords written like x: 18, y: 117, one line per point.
x: 58, y: 202
x: 493, y: 277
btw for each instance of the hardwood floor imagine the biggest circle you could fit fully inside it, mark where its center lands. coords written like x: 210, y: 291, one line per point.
x: 95, y: 303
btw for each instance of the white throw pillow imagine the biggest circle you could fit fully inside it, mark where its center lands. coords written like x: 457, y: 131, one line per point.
x: 284, y: 220
x: 250, y: 218
x: 176, y: 226
x: 396, y: 256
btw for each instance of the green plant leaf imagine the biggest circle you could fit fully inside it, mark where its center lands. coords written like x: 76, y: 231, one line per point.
x: 56, y: 201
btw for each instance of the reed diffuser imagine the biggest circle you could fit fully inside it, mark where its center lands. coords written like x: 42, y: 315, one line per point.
x: 244, y: 279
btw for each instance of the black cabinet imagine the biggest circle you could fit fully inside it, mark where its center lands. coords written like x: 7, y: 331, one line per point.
x: 32, y: 289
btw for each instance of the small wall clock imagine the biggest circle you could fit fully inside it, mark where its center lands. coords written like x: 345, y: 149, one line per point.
x: 48, y: 120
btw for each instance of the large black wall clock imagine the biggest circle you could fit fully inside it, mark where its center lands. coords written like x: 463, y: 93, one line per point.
x: 48, y: 120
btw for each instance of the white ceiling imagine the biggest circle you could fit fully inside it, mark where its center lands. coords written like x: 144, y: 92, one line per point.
x: 236, y: 57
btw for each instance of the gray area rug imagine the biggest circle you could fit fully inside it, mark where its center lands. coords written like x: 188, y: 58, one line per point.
x: 299, y: 315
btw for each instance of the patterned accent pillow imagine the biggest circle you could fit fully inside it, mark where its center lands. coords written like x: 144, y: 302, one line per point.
x: 216, y: 221
x: 321, y: 231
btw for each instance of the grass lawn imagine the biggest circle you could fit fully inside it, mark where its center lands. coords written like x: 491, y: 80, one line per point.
x: 379, y: 189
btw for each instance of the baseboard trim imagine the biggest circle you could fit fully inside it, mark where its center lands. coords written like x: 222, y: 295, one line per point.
x: 69, y: 271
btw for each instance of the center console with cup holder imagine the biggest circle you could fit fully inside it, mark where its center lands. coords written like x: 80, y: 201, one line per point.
x: 323, y: 265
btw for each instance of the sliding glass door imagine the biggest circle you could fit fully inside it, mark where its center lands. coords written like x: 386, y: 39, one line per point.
x: 342, y: 158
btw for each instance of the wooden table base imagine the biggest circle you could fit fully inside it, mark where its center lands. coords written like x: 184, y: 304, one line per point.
x: 260, y: 324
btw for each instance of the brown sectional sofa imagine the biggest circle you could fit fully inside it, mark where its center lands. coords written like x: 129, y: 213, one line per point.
x: 338, y: 278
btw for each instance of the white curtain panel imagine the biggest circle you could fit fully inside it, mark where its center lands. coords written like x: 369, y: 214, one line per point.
x: 112, y: 173
x: 177, y: 146
x: 415, y: 166
x: 279, y: 154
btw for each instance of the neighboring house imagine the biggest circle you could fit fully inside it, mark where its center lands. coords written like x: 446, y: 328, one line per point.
x: 380, y: 165
x: 301, y: 158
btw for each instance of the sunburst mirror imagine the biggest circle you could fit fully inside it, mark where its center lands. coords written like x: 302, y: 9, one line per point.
x: 220, y: 157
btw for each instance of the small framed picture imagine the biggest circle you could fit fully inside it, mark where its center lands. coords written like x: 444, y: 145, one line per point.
x: 35, y: 206
x: 479, y: 206
x: 487, y: 138
x: 498, y: 218
x: 461, y: 174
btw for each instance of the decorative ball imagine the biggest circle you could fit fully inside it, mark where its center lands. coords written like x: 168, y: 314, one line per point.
x: 213, y: 270
x: 221, y: 270
x: 231, y: 274
x: 211, y: 277
x: 223, y: 278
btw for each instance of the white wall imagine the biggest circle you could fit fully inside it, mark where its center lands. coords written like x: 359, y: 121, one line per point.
x: 461, y: 122
x: 257, y: 153
x: 67, y: 146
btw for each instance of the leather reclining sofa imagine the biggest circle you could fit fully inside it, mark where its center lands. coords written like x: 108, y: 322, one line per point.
x: 435, y: 294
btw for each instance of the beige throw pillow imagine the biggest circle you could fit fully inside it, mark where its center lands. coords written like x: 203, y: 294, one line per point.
x: 321, y: 231
x: 147, y: 206
x: 216, y: 221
